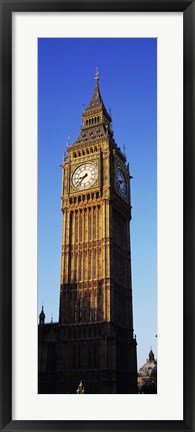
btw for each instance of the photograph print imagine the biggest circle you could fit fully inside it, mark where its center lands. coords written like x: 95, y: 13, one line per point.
x: 97, y: 216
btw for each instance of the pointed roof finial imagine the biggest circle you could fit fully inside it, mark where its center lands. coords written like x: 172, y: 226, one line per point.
x: 42, y: 316
x: 151, y: 355
x: 68, y: 142
x: 97, y: 74
x: 81, y: 388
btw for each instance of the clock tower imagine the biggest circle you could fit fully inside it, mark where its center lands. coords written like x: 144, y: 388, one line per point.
x: 96, y: 289
x: 95, y: 327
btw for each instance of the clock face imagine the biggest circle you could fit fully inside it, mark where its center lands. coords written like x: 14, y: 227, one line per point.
x: 85, y: 175
x: 121, y: 183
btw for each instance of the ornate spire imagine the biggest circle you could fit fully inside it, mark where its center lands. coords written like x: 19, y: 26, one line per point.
x: 96, y: 120
x: 96, y: 102
x: 42, y: 316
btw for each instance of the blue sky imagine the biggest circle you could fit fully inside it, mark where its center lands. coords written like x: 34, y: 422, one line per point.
x: 128, y: 84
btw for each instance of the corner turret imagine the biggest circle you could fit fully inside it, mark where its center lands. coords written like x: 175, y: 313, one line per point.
x: 42, y: 316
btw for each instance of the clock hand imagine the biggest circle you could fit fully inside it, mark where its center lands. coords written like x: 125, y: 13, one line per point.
x: 81, y: 179
x: 85, y: 175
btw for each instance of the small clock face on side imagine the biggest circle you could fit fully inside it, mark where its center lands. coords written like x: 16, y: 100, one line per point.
x: 121, y: 182
x: 84, y: 176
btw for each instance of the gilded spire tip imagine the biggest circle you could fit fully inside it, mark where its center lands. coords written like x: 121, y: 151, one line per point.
x: 97, y: 74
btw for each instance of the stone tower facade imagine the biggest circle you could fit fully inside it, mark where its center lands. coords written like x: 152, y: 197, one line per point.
x: 94, y: 340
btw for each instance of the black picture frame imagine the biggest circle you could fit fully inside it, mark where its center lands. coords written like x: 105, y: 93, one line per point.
x: 6, y: 9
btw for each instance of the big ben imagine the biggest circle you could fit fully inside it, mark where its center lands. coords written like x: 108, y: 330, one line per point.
x: 94, y: 339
